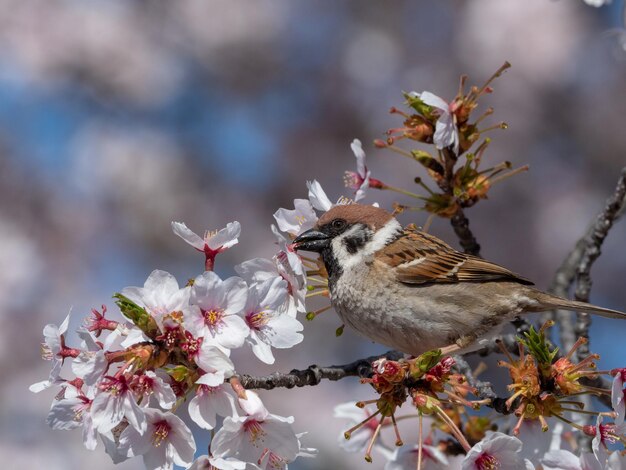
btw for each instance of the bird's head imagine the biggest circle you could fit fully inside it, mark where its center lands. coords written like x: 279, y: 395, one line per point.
x: 350, y: 230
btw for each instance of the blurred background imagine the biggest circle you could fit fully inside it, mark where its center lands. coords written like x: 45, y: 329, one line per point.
x: 117, y: 117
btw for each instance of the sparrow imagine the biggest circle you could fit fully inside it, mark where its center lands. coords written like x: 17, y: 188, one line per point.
x: 409, y: 290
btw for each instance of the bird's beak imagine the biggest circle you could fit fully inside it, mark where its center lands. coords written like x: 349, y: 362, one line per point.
x: 311, y: 240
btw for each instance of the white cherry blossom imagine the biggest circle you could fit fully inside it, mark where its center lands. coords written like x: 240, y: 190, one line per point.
x: 249, y: 438
x: 167, y: 441
x: 216, y: 309
x: 618, y: 395
x: 496, y: 450
x: 270, y: 324
x: 359, y: 439
x: 115, y: 401
x: 446, y: 133
x: 565, y: 460
x: 210, y: 402
x: 148, y: 385
x: 318, y: 197
x: 297, y: 220
x: 359, y: 180
x: 212, y: 241
x: 71, y: 411
x: 91, y: 363
x: 405, y: 458
x: 160, y: 295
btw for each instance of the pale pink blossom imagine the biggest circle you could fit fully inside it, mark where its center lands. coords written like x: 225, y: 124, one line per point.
x: 604, y: 434
x: 249, y: 438
x: 148, y: 385
x: 210, y: 402
x: 90, y: 364
x: 360, y: 438
x: 359, y: 180
x: 405, y: 458
x: 258, y: 270
x: 446, y: 133
x: 565, y: 460
x: 296, y: 221
x: 496, y: 450
x: 317, y: 196
x: 160, y: 296
x: 115, y: 401
x: 216, y: 308
x: 53, y: 349
x: 166, y: 441
x: 618, y: 395
x: 267, y: 316
x: 212, y: 243
x: 205, y: 462
x: 73, y: 410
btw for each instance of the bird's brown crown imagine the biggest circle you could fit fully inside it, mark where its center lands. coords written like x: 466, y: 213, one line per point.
x: 374, y: 217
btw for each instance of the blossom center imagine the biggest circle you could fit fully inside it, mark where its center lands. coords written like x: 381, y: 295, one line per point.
x: 257, y: 320
x: 352, y: 180
x: 213, y: 317
x: 486, y: 461
x: 160, y: 433
x: 255, y: 432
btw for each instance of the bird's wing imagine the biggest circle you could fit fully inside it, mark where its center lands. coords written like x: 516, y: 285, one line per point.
x: 420, y: 258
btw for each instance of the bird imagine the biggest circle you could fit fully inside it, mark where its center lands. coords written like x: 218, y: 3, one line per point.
x: 409, y: 290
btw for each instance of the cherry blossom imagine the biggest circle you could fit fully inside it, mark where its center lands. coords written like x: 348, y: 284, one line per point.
x: 358, y: 439
x: 359, y: 180
x: 565, y: 460
x: 258, y: 270
x: 446, y: 133
x: 211, y: 463
x: 148, y: 385
x: 405, y: 458
x: 91, y: 363
x: 618, y: 395
x: 496, y: 450
x: 166, y: 441
x: 270, y: 324
x: 317, y: 196
x: 73, y: 410
x: 115, y: 401
x: 210, y: 402
x: 212, y: 243
x: 160, y: 296
x: 249, y: 438
x: 296, y: 221
x: 215, y: 310
x: 53, y: 349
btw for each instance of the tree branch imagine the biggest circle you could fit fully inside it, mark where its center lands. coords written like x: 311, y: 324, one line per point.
x: 460, y: 224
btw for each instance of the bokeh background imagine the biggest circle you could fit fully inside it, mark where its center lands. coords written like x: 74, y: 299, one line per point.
x: 117, y: 117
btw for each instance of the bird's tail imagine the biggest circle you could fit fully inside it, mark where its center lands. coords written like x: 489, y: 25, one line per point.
x: 553, y: 302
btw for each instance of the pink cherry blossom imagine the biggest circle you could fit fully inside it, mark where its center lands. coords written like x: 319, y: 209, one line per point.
x: 212, y: 243
x: 148, y: 385
x: 406, y: 457
x: 91, y: 363
x: 160, y: 295
x: 115, y: 401
x: 618, y: 395
x: 72, y: 410
x: 446, y: 133
x: 296, y: 221
x: 210, y: 402
x: 318, y: 197
x: 496, y: 450
x: 266, y: 314
x: 216, y: 308
x: 249, y: 438
x: 166, y: 441
x: 565, y: 460
x: 360, y: 438
x: 359, y: 180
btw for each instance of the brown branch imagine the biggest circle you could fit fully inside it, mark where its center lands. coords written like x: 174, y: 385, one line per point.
x: 460, y: 224
x: 314, y: 374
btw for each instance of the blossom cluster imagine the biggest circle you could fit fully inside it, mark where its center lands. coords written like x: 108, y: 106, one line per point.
x: 130, y: 377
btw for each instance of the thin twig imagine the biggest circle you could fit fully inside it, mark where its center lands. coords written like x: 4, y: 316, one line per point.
x: 460, y: 224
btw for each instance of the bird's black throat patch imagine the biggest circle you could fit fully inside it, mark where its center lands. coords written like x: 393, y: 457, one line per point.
x: 332, y: 266
x: 356, y: 241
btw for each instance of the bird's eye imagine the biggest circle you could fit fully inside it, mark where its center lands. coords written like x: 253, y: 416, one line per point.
x: 338, y: 224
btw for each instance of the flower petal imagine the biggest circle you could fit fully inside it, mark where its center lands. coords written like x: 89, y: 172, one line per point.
x: 190, y: 237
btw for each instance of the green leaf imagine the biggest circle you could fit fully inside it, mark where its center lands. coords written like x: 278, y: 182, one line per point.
x: 138, y: 315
